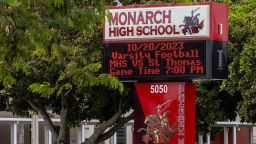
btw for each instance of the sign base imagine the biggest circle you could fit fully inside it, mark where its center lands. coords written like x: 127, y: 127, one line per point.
x: 165, y: 113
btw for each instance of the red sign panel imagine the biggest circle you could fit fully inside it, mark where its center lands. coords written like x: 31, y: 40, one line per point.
x: 165, y: 113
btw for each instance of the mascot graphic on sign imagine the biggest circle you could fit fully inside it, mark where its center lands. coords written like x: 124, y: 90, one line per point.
x: 191, y: 23
x: 158, y: 129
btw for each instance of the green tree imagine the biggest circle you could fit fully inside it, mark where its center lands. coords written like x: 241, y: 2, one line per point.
x: 214, y: 104
x: 50, y: 63
x: 220, y: 101
x: 242, y: 29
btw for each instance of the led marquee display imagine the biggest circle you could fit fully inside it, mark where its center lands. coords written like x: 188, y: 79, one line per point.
x: 166, y: 60
x: 156, y: 59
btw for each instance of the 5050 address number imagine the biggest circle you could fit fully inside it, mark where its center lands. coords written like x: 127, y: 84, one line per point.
x: 158, y: 88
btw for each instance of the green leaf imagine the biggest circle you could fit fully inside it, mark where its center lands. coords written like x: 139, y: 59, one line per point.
x: 92, y: 68
x: 70, y: 22
x: 43, y: 89
x: 9, y: 2
x: 9, y: 81
x: 66, y: 86
x: 40, y: 50
x: 58, y: 3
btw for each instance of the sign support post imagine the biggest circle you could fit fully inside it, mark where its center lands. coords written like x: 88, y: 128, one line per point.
x: 165, y: 112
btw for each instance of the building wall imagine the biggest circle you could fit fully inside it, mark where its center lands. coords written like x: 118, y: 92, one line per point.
x: 242, y: 136
x: 41, y: 133
x: 5, y: 131
x: 73, y: 136
x: 27, y: 135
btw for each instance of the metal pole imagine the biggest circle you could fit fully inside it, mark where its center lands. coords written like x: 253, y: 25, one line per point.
x: 83, y: 132
x: 34, y: 131
x: 251, y: 135
x: 111, y: 140
x: 47, y: 135
x: 78, y: 135
x: 129, y: 134
x: 200, y: 139
x: 14, y: 133
x: 225, y: 135
x: 234, y: 134
x: 208, y: 138
x: 114, y: 140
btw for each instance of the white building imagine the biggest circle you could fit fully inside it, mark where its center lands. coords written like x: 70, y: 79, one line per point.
x: 15, y: 130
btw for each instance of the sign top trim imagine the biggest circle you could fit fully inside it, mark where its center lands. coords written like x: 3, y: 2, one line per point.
x: 158, y: 5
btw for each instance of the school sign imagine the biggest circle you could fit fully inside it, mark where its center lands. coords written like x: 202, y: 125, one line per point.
x: 162, y: 48
x: 166, y: 42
